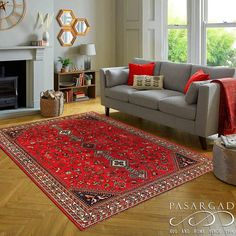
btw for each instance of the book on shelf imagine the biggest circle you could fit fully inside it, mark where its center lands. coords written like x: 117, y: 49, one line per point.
x: 78, y: 94
x: 80, y: 99
x: 68, y: 96
x: 79, y: 81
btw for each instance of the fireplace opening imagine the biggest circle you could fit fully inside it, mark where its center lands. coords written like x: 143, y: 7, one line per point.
x: 12, y: 84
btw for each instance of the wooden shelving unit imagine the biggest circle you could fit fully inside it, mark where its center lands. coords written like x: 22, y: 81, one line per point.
x: 77, y: 86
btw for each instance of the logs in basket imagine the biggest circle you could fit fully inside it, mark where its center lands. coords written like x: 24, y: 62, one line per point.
x: 51, y: 103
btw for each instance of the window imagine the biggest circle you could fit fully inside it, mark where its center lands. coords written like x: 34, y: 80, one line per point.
x: 219, y: 33
x: 177, y: 31
x: 198, y: 31
x: 221, y: 46
x: 221, y: 11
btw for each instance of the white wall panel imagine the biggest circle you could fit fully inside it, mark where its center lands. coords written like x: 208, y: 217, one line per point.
x: 151, y: 12
x: 151, y: 44
x: 129, y: 30
x: 132, y: 9
x: 132, y: 44
x: 153, y: 29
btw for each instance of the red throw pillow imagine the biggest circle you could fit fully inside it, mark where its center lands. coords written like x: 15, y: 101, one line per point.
x: 198, y: 76
x: 140, y: 69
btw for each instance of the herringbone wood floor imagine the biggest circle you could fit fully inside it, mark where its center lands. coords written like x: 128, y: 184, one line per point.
x: 25, y: 210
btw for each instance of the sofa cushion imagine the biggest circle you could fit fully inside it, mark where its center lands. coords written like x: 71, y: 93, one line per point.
x: 215, y: 72
x: 151, y: 98
x: 140, y: 69
x: 120, y: 92
x: 116, y: 77
x: 176, y: 75
x: 147, y: 82
x: 192, y: 94
x: 177, y: 106
x: 143, y: 61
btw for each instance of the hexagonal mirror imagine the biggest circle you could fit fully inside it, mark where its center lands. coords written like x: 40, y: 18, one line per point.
x: 81, y: 26
x: 66, y: 37
x: 66, y: 18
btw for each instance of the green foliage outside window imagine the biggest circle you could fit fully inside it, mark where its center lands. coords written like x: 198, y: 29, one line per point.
x: 221, y: 46
x: 178, y: 43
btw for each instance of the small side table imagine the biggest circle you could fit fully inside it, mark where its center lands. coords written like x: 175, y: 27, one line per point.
x: 224, y: 163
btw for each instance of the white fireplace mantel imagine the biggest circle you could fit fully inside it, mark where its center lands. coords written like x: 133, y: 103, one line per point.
x: 34, y: 57
x: 22, y: 53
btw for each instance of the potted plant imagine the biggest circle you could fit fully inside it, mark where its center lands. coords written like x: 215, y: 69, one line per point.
x: 65, y: 64
x: 88, y: 79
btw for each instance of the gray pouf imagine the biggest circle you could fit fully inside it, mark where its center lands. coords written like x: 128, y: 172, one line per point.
x: 224, y: 163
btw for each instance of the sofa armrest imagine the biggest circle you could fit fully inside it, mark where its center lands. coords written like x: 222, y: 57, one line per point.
x: 207, y: 117
x: 104, y: 80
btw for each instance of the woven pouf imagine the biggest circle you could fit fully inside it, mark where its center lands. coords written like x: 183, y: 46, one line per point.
x: 224, y: 163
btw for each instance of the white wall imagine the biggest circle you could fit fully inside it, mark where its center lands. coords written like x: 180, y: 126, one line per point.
x: 26, y: 31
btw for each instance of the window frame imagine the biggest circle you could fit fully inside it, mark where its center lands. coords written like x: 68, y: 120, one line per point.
x: 179, y: 26
x: 206, y: 25
x: 197, y: 25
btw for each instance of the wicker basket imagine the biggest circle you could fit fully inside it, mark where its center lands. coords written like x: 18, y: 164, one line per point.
x: 51, y: 107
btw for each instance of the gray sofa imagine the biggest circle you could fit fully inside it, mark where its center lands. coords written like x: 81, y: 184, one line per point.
x: 168, y: 106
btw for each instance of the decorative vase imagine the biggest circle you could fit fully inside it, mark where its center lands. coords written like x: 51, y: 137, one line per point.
x: 58, y: 67
x: 67, y: 68
x: 46, y: 38
x: 88, y: 82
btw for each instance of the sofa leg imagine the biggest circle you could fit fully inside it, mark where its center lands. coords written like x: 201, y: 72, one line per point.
x: 107, y: 111
x: 203, y: 143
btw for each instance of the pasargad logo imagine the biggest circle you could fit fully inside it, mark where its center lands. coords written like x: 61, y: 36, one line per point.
x: 206, y: 212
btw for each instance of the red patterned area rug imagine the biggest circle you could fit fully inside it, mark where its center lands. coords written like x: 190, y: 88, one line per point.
x: 93, y: 167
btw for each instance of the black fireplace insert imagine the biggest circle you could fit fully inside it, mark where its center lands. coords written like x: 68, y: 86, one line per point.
x: 12, y: 84
x: 8, y: 92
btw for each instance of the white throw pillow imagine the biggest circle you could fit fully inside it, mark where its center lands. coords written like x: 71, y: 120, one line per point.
x: 148, y: 82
